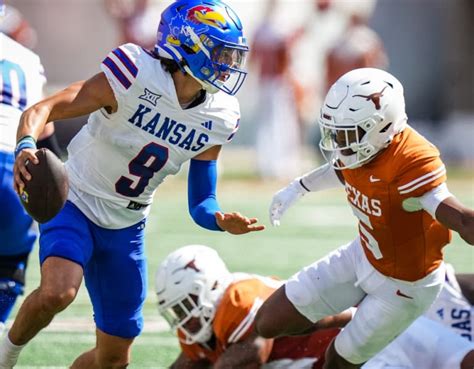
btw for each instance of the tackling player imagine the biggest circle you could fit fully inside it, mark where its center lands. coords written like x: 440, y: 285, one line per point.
x: 395, y: 185
x: 23, y: 79
x: 213, y: 312
x: 151, y: 112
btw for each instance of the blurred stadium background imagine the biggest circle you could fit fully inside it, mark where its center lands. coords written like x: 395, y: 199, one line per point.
x: 428, y: 46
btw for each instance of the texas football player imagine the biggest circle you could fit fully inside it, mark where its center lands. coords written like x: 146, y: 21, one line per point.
x: 396, y: 186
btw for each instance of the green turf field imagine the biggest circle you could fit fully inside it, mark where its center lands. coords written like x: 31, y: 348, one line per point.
x: 317, y: 224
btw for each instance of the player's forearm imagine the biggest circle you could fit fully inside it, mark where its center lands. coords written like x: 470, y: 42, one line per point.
x: 466, y: 230
x: 61, y: 105
x: 452, y: 214
x: 202, y: 202
x: 72, y: 102
x: 32, y: 121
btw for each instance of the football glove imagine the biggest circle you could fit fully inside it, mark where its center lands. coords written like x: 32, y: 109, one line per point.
x: 285, y: 198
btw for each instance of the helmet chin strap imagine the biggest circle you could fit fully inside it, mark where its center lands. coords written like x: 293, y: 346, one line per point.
x: 205, y: 85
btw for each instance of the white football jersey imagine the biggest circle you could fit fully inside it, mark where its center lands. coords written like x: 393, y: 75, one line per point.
x: 423, y: 345
x: 117, y: 160
x: 21, y: 85
x: 452, y: 309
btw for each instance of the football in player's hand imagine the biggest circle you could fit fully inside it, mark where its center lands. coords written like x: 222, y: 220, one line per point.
x: 45, y: 194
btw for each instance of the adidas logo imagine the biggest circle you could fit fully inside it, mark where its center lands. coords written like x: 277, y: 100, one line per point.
x: 207, y: 125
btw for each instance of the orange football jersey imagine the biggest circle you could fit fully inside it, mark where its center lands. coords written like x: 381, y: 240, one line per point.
x: 234, y: 323
x: 235, y: 315
x: 399, y: 238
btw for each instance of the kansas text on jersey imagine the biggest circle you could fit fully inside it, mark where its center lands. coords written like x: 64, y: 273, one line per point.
x: 122, y: 157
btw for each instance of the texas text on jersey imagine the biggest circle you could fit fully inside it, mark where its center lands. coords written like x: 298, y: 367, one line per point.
x: 380, y: 194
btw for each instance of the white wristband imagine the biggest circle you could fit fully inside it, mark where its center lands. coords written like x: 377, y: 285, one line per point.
x: 321, y: 178
x: 431, y: 200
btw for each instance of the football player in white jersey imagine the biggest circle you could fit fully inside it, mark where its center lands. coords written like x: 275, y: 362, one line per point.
x: 14, y: 25
x: 454, y: 307
x: 21, y: 85
x: 151, y: 112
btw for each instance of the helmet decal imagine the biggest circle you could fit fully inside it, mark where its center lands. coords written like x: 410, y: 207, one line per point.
x: 204, y: 15
x: 190, y: 265
x: 375, y: 97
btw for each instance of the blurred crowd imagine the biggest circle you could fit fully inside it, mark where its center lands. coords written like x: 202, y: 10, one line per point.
x: 298, y: 49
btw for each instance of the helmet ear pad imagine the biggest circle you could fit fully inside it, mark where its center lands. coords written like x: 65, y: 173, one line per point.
x: 369, y: 99
x: 191, y: 31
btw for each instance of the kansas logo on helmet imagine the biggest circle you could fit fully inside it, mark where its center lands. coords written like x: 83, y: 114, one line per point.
x: 204, y: 15
x: 200, y: 24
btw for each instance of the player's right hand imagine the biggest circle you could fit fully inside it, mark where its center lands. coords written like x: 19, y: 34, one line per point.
x: 236, y: 223
x: 19, y: 167
x: 283, y: 199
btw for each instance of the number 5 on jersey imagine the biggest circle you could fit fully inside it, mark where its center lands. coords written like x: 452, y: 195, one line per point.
x: 370, y: 241
x: 149, y: 160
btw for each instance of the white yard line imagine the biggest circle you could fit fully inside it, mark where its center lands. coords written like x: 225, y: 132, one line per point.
x: 85, y: 325
x: 88, y: 338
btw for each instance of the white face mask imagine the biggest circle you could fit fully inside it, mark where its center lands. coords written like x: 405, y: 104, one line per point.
x: 345, y: 147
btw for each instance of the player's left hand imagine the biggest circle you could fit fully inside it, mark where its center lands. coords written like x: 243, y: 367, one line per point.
x: 236, y: 223
x: 284, y: 199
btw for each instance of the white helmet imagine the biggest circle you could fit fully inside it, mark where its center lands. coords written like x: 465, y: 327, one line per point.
x: 189, y: 284
x: 361, y: 114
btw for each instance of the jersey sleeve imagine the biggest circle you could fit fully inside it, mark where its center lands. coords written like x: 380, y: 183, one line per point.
x: 422, y: 171
x: 234, y: 130
x: 121, y: 67
x: 237, y: 310
x: 226, y: 110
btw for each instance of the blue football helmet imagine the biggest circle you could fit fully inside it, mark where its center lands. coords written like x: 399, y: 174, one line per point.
x: 205, y: 38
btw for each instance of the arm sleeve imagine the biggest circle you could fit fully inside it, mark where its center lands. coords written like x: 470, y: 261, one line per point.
x: 202, y: 202
x: 319, y: 179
